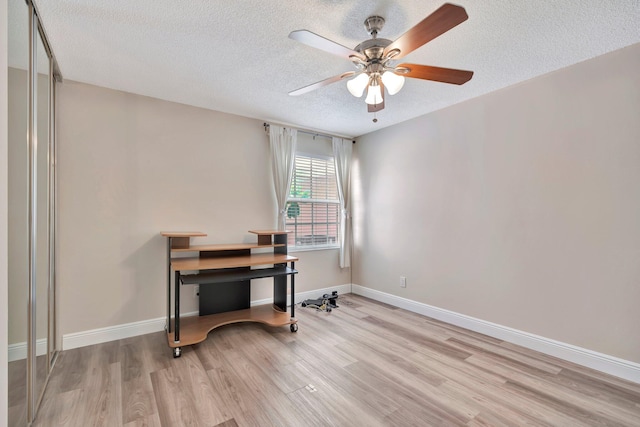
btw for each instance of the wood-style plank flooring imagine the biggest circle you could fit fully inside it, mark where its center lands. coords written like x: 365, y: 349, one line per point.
x: 364, y: 364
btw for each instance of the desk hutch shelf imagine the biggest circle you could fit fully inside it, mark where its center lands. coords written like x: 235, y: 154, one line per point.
x: 224, y: 273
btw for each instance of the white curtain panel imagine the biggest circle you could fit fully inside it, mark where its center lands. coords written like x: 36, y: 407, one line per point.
x: 342, y: 149
x: 283, y: 153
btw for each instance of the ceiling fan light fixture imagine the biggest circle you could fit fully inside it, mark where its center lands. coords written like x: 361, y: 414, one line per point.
x: 392, y: 82
x: 374, y: 95
x: 358, y: 84
x: 375, y: 58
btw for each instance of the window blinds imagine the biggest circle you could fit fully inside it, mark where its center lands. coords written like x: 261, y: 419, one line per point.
x: 313, y: 209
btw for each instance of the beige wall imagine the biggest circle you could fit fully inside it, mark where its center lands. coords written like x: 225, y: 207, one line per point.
x: 520, y: 207
x: 3, y: 215
x: 132, y: 166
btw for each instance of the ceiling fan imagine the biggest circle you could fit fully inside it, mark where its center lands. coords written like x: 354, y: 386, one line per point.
x: 375, y: 58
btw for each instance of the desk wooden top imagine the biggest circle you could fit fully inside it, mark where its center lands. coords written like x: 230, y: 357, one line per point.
x: 269, y: 232
x: 182, y: 264
x: 182, y: 234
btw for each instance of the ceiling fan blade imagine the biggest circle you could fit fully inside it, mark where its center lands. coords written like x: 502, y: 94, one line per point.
x: 319, y: 42
x: 437, y: 74
x: 321, y: 83
x: 434, y: 25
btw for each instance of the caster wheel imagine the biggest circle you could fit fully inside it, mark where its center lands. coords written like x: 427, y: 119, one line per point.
x: 304, y: 304
x: 293, y: 327
x: 177, y: 352
x: 328, y: 309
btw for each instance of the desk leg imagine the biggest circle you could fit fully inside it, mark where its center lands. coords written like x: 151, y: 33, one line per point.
x: 293, y: 326
x: 293, y: 291
x: 169, y: 284
x: 176, y: 329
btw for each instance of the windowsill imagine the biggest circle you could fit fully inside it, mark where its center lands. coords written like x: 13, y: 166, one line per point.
x: 293, y: 249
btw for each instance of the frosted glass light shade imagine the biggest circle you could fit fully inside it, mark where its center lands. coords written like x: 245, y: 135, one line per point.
x: 374, y: 96
x: 392, y: 82
x: 357, y: 85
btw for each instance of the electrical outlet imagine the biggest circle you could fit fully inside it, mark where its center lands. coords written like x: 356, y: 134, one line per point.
x: 403, y: 282
x: 196, y: 291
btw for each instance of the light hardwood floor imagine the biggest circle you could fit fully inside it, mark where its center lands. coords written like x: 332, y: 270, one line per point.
x: 364, y: 364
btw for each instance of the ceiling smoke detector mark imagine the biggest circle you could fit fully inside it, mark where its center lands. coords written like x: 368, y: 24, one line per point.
x: 311, y: 388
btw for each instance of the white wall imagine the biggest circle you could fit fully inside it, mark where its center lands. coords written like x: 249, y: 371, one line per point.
x: 520, y: 207
x: 3, y: 215
x: 132, y: 166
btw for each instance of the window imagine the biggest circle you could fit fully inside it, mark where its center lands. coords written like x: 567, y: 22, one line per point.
x: 313, y: 208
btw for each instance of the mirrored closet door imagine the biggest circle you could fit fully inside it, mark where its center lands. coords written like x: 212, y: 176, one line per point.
x: 31, y: 160
x: 18, y: 226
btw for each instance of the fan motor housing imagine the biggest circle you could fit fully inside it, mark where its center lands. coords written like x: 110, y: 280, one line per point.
x: 372, y: 48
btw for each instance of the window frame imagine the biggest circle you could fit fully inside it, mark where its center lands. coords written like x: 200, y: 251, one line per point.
x: 293, y: 227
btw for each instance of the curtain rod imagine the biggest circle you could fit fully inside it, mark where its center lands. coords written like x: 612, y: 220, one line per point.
x: 266, y: 127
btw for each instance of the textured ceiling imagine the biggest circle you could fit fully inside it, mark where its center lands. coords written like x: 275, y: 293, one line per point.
x: 235, y: 55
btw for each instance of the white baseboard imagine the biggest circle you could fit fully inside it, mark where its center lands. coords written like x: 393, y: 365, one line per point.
x: 602, y: 362
x: 112, y: 333
x: 18, y: 351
